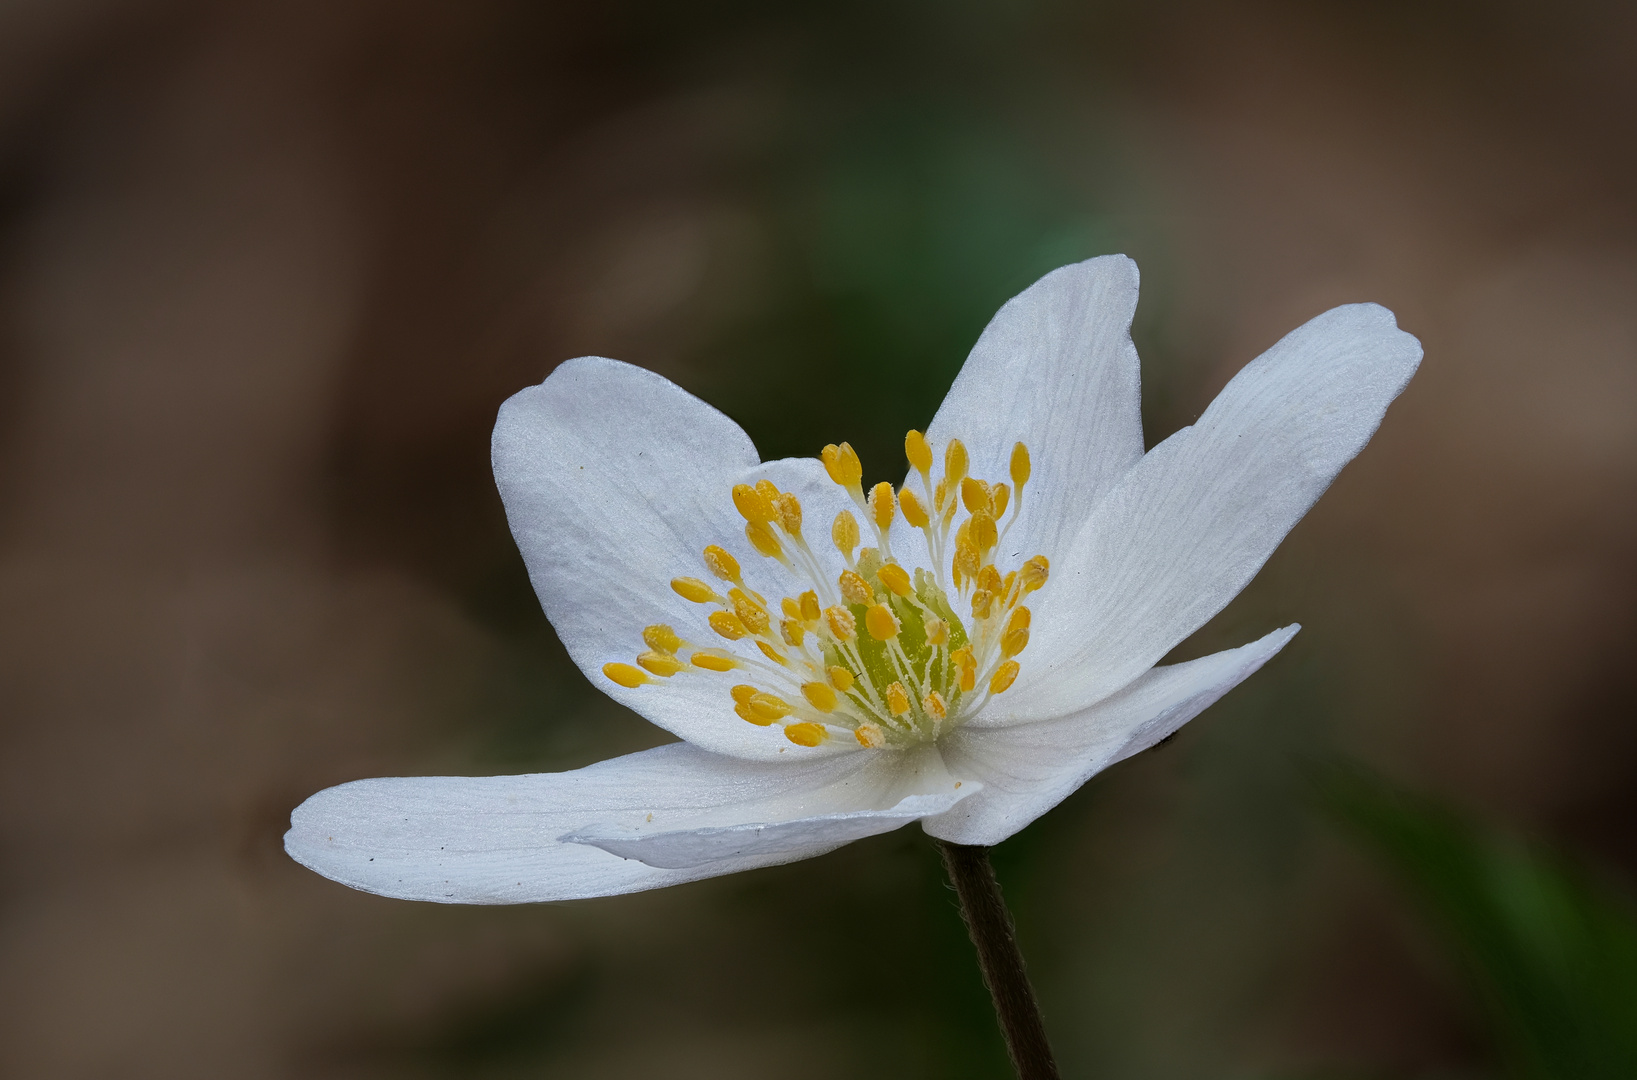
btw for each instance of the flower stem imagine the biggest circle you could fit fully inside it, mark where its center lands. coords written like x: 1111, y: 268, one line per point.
x: 990, y: 924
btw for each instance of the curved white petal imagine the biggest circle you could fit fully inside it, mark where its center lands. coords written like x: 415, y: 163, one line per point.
x: 1056, y: 370
x: 615, y: 480
x: 498, y: 839
x: 1184, y: 531
x: 1030, y: 768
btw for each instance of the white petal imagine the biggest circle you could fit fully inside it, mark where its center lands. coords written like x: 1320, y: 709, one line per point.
x: 1056, y: 370
x: 1030, y: 768
x: 1186, y: 529
x: 615, y: 480
x: 496, y: 839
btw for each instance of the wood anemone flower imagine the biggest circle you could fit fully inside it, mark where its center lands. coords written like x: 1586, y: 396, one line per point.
x: 964, y: 649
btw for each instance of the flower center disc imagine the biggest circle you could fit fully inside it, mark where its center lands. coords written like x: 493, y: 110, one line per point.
x: 882, y: 652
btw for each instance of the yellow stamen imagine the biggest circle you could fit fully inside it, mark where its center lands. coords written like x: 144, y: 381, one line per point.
x: 968, y: 663
x: 897, y: 699
x: 955, y: 461
x: 626, y: 675
x: 810, y: 606
x: 844, y: 533
x: 975, y: 495
x: 790, y: 513
x: 769, y: 706
x: 742, y: 694
x: 752, y: 614
x: 820, y: 696
x: 1020, y: 620
x: 882, y: 505
x: 1034, y: 573
x: 769, y: 492
x: 747, y: 713
x: 713, y: 661
x: 720, y: 563
x: 773, y: 654
x: 793, y: 632
x: 854, y: 589
x: 918, y: 452
x: 881, y: 622
x: 982, y: 603
x: 870, y: 736
x: 806, y: 733
x: 914, y: 512
x: 1004, y: 677
x: 934, y: 705
x: 727, y: 624
x: 984, y: 534
x: 840, y: 678
x: 896, y: 578
x: 842, y: 623
x: 842, y: 463
x: 691, y: 588
x: 661, y: 638
x: 762, y: 539
x: 999, y: 496
x: 989, y: 578
x: 790, y: 607
x: 937, y: 632
x: 754, y: 504
x: 661, y: 664
x: 1014, y: 641
x: 1020, y: 465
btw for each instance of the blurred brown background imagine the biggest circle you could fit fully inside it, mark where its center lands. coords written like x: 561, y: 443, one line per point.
x: 267, y: 271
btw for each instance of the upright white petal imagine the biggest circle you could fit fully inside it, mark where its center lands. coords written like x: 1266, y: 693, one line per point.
x: 1192, y: 523
x: 1054, y: 369
x: 499, y: 839
x: 1029, y: 768
x: 615, y: 479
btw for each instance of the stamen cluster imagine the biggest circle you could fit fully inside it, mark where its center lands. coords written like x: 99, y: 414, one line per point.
x: 879, y: 653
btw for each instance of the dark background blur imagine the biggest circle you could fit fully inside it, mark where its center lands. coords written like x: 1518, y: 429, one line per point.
x: 267, y: 271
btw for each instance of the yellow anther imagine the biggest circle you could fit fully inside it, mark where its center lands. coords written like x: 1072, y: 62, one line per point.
x: 840, y: 678
x: 806, y: 733
x: 842, y: 623
x: 713, y: 661
x: 790, y: 607
x: 768, y: 705
x: 626, y: 675
x: 914, y: 512
x: 983, y: 603
x: 1020, y: 620
x: 762, y: 539
x: 773, y: 654
x: 691, y: 588
x: 1020, y: 465
x: 937, y: 632
x: 918, y: 451
x: 963, y: 659
x: 1034, y: 573
x: 843, y: 465
x: 769, y: 491
x: 753, y: 504
x: 940, y: 496
x: 854, y: 589
x: 896, y: 578
x: 934, y: 705
x: 870, y: 736
x: 955, y: 461
x: 742, y: 694
x: 897, y: 699
x: 999, y: 496
x: 1004, y: 677
x: 975, y: 495
x: 747, y: 713
x: 790, y: 513
x: 752, y: 614
x: 810, y: 606
x: 662, y: 664
x: 720, y: 563
x: 844, y: 533
x: 1006, y: 585
x: 1014, y: 641
x: 820, y: 696
x: 881, y: 622
x: 984, y: 534
x: 882, y: 505
x: 661, y: 638
x: 793, y: 632
x: 989, y: 578
x: 727, y: 624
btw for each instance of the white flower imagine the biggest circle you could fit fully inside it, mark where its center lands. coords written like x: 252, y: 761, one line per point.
x: 965, y: 650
